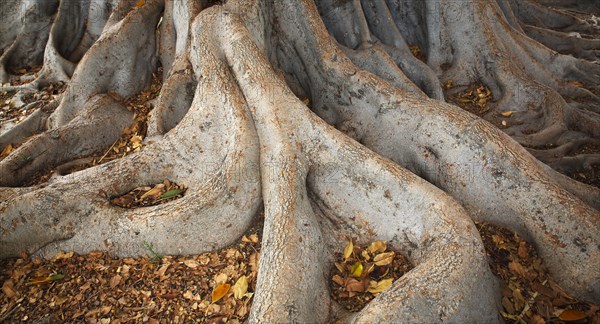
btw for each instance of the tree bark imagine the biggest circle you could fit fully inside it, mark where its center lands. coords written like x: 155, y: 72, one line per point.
x: 377, y: 155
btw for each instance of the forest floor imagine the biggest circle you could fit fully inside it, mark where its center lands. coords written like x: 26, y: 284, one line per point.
x: 217, y: 287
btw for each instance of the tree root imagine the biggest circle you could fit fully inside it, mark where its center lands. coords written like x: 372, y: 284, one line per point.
x: 99, y: 124
x: 241, y: 139
x: 444, y: 138
x: 444, y: 247
x: 565, y: 43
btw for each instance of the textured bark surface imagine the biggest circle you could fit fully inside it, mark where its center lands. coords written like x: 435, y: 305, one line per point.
x: 378, y: 155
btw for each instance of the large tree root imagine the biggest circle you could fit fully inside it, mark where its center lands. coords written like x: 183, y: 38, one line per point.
x: 98, y: 125
x: 228, y: 127
x: 429, y: 138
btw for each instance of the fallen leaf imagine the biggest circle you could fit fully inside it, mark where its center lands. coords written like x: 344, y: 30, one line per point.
x: 383, y: 259
x: 570, y: 315
x: 115, y: 281
x: 62, y: 255
x: 8, y: 288
x: 522, y: 251
x: 507, y: 113
x: 348, y: 250
x: 338, y: 280
x: 220, y: 291
x: 171, y: 193
x: 381, y: 286
x: 516, y: 268
x: 191, y: 263
x: 140, y: 3
x: 6, y: 151
x: 240, y: 287
x: 377, y: 246
x: 221, y: 278
x: 353, y: 285
x: 153, y: 193
x: 45, y: 280
x: 357, y: 269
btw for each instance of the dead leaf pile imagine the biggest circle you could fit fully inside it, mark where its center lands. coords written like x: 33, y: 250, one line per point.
x: 129, y: 142
x: 529, y: 295
x: 150, y: 195
x: 12, y: 108
x: 132, y: 137
x: 213, y: 287
x: 474, y: 99
x: 362, y: 273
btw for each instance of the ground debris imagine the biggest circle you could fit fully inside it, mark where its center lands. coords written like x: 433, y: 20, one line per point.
x: 529, y: 295
x: 96, y: 288
x: 149, y: 195
x: 474, y: 99
x: 362, y: 273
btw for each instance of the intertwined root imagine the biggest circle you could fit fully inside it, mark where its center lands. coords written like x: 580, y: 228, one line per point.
x: 229, y: 128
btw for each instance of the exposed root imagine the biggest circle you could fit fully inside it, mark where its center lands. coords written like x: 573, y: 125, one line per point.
x: 295, y: 232
x: 430, y: 140
x: 98, y: 125
x: 588, y: 49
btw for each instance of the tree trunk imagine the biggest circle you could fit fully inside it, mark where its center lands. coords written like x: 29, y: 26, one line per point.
x: 377, y: 155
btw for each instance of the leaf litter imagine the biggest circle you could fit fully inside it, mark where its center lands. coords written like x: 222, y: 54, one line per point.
x: 474, y: 98
x: 215, y: 287
x: 149, y: 195
x: 361, y: 273
x: 131, y: 139
x: 529, y: 295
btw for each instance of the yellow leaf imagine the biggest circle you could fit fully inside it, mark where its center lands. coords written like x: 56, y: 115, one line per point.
x: 240, y: 287
x: 507, y: 113
x: 381, y: 286
x: 7, y: 150
x: 377, y: 246
x: 140, y: 3
x: 348, y: 250
x: 357, y: 269
x: 382, y: 259
x: 220, y: 291
x: 572, y: 315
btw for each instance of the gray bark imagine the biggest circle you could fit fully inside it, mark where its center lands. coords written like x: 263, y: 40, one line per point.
x: 378, y: 156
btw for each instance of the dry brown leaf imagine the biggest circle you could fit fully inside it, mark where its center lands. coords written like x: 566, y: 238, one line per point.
x: 191, y: 263
x: 570, y: 315
x: 253, y: 238
x: 154, y: 193
x: 353, y: 285
x: 220, y: 291
x: 383, y: 259
x: 516, y: 268
x: 115, y: 281
x: 253, y: 261
x: 338, y: 280
x: 522, y: 251
x: 8, y: 288
x: 221, y: 278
